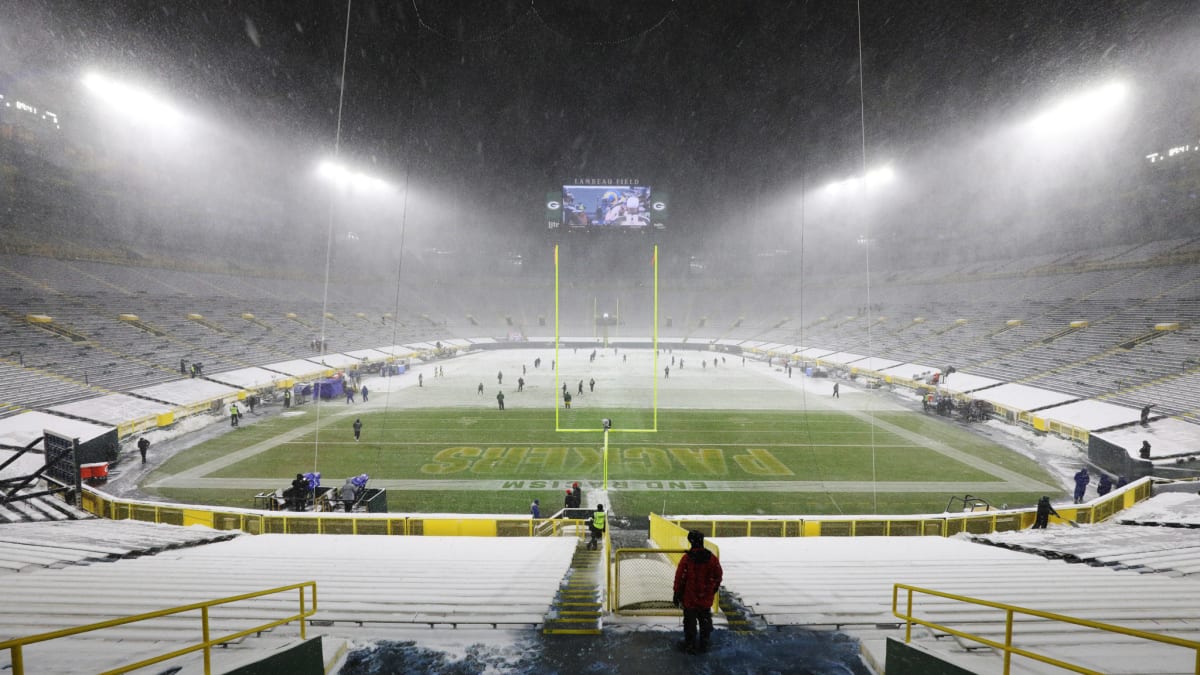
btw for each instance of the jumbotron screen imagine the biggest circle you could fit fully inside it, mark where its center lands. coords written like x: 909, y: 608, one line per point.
x: 615, y: 206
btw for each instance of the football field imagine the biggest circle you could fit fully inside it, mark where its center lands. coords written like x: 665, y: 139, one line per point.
x: 730, y: 439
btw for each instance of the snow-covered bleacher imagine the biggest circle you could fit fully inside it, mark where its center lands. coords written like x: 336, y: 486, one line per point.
x: 964, y: 317
x: 363, y: 583
x: 25, y: 508
x: 56, y: 543
x: 846, y: 583
x: 1165, y: 549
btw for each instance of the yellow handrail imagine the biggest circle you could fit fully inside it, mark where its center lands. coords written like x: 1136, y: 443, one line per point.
x: 207, y: 643
x: 1009, y: 610
x: 941, y: 524
x: 555, y: 527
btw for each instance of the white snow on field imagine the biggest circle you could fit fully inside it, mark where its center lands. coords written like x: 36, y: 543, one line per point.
x: 623, y: 379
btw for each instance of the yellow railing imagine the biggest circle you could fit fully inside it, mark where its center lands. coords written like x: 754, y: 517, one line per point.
x: 1009, y: 611
x: 662, y: 587
x: 936, y: 525
x: 557, y: 527
x: 671, y: 542
x: 206, y: 644
x: 254, y: 521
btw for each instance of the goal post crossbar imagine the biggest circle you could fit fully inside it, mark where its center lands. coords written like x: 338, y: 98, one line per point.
x: 653, y: 350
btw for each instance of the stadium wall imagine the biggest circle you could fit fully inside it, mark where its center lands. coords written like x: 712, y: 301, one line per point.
x: 943, y: 525
x: 254, y: 521
x: 909, y: 659
x: 665, y: 532
x: 1117, y: 460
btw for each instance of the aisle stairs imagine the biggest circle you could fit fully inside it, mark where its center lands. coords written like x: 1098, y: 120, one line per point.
x: 738, y: 617
x: 578, y: 604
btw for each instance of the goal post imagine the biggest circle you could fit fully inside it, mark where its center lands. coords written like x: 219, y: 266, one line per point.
x: 558, y: 385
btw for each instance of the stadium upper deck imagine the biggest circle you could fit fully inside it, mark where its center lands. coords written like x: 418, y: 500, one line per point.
x: 1118, y: 325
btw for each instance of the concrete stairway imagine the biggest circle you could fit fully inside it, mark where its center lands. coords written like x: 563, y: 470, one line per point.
x: 578, y: 605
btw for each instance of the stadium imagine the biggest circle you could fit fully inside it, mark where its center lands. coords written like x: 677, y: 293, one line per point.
x: 315, y: 366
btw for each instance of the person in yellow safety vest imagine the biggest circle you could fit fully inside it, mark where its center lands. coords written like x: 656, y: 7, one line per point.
x: 234, y: 414
x: 596, y: 524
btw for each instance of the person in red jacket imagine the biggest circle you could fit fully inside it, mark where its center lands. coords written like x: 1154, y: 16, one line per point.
x: 697, y: 579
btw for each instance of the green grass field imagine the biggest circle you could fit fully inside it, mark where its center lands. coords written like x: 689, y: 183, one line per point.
x: 698, y: 462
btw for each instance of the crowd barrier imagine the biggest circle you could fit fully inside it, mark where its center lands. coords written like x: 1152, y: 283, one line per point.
x: 640, y: 580
x: 667, y: 532
x: 939, y: 525
x: 307, y: 595
x: 1011, y: 614
x: 253, y: 521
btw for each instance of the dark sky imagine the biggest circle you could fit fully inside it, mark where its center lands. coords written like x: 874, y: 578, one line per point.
x: 721, y: 101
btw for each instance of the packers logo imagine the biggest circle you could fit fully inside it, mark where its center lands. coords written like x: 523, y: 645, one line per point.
x: 553, y: 205
x: 658, y: 206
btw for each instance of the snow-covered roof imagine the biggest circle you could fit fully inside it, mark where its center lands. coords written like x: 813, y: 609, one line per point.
x: 966, y: 382
x: 187, y: 392
x: 301, y: 368
x: 843, y: 357
x: 27, y: 426
x: 1023, y: 396
x: 367, y: 354
x: 910, y: 371
x: 335, y: 360
x: 1167, y: 436
x: 815, y: 352
x: 1091, y: 415
x: 112, y: 409
x: 247, y: 378
x: 874, y: 363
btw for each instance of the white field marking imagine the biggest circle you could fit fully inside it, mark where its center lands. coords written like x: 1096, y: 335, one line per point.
x: 663, y: 485
x: 753, y: 387
x: 611, y: 446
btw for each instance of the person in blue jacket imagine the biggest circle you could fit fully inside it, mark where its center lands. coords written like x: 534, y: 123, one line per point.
x: 535, y: 509
x: 1081, y: 482
x: 1104, y: 486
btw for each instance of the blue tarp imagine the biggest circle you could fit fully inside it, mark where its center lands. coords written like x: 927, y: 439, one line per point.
x: 327, y: 389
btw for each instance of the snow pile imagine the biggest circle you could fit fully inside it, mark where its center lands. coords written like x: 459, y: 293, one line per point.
x: 1170, y: 507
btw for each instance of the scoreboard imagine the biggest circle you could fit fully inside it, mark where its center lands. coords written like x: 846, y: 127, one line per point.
x: 606, y: 204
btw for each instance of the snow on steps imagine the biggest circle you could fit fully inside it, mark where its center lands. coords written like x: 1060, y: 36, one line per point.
x: 28, y: 546
x: 846, y: 584
x: 1148, y: 549
x: 361, y: 581
x: 46, y: 507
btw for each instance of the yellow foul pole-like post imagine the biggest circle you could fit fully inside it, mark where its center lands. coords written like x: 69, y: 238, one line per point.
x: 556, y: 337
x: 606, y: 460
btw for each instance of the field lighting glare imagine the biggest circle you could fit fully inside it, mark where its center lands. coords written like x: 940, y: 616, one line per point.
x: 343, y: 177
x: 1079, y: 110
x: 881, y: 176
x: 131, y: 101
x: 874, y: 178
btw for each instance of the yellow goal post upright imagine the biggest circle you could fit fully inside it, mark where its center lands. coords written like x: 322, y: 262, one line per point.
x: 653, y: 374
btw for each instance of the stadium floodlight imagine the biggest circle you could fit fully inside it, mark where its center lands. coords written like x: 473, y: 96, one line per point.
x: 333, y: 171
x: 342, y: 176
x: 871, y: 179
x: 880, y: 176
x: 132, y: 102
x: 1078, y: 111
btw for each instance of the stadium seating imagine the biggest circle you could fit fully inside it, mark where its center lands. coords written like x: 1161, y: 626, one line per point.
x: 1122, y: 292
x: 364, y: 584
